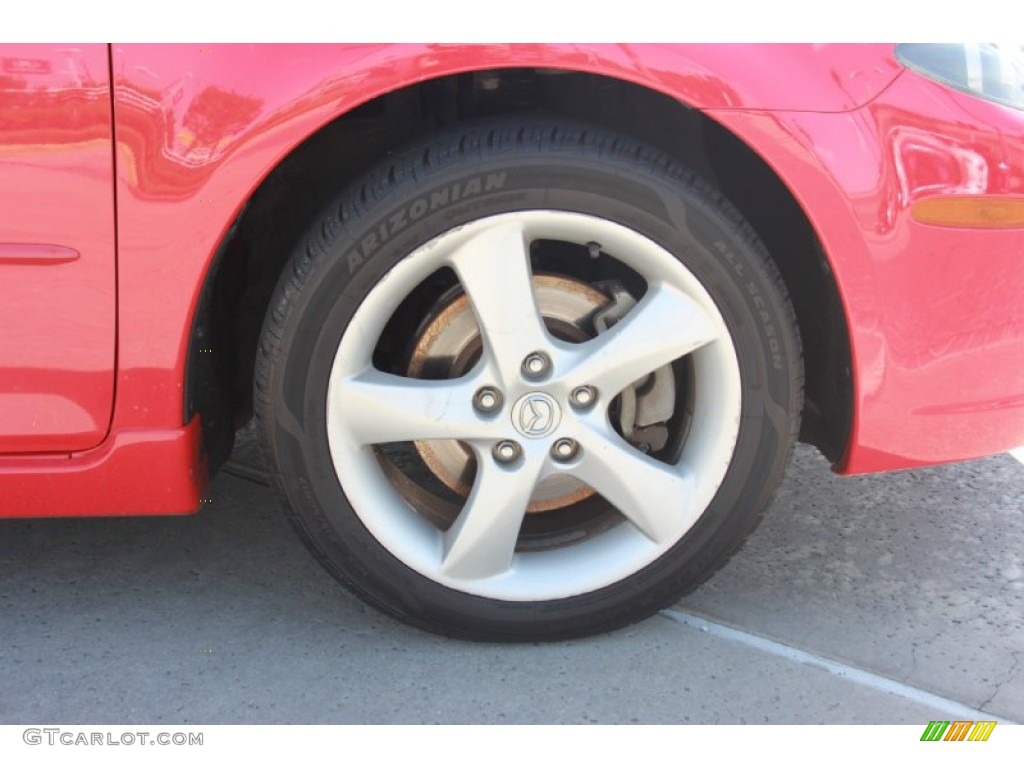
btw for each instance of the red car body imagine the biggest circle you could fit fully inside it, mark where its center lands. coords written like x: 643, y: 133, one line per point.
x: 123, y: 169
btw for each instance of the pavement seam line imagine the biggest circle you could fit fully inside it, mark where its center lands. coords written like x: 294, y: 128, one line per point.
x: 1009, y: 676
x: 845, y: 671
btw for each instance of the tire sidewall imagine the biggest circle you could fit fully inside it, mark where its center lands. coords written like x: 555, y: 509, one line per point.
x: 362, y: 237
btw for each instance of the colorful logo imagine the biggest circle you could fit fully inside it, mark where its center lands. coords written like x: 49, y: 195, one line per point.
x: 958, y: 730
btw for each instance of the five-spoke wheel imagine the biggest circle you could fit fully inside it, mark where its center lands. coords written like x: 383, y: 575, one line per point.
x: 534, y: 407
x: 527, y: 380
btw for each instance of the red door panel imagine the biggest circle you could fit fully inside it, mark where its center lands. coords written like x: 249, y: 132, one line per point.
x: 57, y: 260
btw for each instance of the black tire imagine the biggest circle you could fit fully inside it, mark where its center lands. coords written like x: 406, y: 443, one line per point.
x: 501, y: 167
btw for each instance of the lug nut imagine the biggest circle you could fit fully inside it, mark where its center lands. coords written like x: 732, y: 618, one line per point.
x: 536, y: 365
x: 583, y: 397
x: 487, y: 400
x: 506, y: 451
x: 564, y: 449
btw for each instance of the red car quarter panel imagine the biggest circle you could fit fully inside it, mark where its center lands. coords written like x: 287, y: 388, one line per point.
x: 934, y: 313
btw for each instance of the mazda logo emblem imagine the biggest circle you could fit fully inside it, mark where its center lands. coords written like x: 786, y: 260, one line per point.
x: 536, y: 415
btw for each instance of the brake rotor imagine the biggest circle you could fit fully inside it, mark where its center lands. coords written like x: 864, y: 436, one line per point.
x: 450, y: 344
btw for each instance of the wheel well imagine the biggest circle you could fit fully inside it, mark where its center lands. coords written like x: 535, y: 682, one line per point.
x: 253, y: 254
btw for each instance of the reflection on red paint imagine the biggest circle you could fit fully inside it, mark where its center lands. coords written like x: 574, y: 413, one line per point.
x: 936, y: 314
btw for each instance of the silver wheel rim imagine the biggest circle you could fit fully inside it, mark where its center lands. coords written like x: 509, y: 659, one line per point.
x: 660, y: 502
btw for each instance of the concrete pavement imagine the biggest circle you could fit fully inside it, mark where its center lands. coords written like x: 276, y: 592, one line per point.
x: 914, y: 577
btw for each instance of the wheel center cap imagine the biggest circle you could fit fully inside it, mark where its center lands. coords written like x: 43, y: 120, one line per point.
x: 536, y: 414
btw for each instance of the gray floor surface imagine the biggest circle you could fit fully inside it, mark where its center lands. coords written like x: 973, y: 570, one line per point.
x: 915, y: 577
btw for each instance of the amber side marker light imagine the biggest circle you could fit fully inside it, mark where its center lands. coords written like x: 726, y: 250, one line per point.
x: 978, y: 212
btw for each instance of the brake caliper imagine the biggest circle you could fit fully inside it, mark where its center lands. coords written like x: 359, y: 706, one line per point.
x: 644, y: 407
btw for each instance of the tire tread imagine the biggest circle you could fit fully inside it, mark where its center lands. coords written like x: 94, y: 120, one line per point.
x: 433, y: 156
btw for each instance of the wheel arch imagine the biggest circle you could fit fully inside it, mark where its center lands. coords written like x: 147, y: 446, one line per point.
x: 250, y: 256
